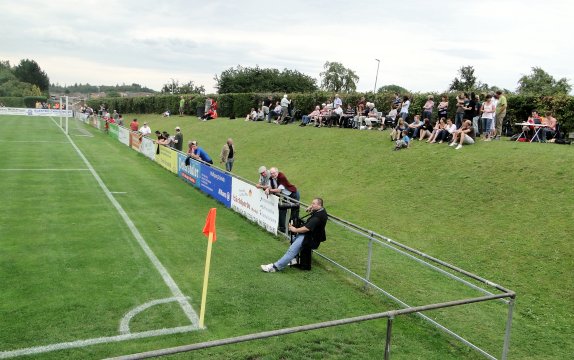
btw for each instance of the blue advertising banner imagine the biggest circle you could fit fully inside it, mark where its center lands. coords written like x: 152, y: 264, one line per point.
x: 190, y: 173
x: 216, y: 183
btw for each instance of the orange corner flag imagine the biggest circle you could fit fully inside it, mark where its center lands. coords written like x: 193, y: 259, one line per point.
x: 210, y: 224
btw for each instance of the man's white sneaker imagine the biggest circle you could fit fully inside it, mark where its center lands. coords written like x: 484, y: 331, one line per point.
x: 268, y: 268
x: 452, y: 144
x: 293, y: 262
x: 458, y: 147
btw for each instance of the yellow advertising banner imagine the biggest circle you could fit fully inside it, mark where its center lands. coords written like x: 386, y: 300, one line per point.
x: 135, y: 140
x: 167, y: 158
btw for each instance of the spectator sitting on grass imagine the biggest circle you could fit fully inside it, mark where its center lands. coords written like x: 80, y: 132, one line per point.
x: 438, y: 127
x: 404, y: 142
x: 252, y: 115
x: 425, y: 130
x: 209, y: 115
x: 397, y: 132
x: 465, y: 135
x: 414, y: 127
x: 446, y: 133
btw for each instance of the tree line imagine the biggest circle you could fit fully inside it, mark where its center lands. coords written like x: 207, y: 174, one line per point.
x: 28, y: 79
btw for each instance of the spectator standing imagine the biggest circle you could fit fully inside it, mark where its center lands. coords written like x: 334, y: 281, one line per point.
x: 264, y: 178
x: 487, y: 110
x: 267, y: 105
x: 178, y: 139
x: 459, y: 116
x: 284, y: 108
x: 428, y: 107
x: 501, y: 108
x: 181, y: 106
x: 337, y: 101
x: 228, y: 155
x: 198, y: 153
x: 442, y: 108
x: 405, y: 108
x: 280, y: 184
x: 145, y: 129
x: 207, y: 105
x: 134, y: 126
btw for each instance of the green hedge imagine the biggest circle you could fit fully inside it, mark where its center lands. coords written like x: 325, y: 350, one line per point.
x: 30, y: 101
x: 12, y: 101
x: 519, y: 106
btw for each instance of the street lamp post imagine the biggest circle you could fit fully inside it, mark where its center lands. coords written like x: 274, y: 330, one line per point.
x: 377, y: 76
x: 172, y: 83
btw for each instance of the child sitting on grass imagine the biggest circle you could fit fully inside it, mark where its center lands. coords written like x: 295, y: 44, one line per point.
x: 404, y: 142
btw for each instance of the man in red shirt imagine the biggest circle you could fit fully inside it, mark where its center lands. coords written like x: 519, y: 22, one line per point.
x: 280, y: 184
x: 134, y: 125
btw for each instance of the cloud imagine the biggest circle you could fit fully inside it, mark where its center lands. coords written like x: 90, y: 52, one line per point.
x: 421, y: 45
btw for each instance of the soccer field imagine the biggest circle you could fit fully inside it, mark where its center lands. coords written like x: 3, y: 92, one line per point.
x: 74, y: 268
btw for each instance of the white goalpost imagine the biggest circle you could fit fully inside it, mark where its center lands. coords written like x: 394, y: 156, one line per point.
x: 64, y: 101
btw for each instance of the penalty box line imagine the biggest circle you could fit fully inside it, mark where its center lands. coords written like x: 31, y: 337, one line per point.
x: 175, y: 290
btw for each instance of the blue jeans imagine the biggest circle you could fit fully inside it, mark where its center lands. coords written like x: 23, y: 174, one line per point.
x: 458, y: 119
x: 306, y: 119
x: 291, y: 252
x: 229, y: 164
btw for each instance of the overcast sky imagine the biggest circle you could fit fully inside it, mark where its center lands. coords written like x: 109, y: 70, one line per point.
x: 421, y: 44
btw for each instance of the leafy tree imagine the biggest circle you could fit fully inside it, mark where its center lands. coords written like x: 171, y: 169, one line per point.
x: 186, y: 88
x: 257, y: 80
x: 542, y: 83
x: 392, y: 89
x: 30, y: 72
x: 467, y: 82
x: 337, y: 78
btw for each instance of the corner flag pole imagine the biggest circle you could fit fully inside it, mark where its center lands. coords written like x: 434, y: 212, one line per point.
x: 209, y: 231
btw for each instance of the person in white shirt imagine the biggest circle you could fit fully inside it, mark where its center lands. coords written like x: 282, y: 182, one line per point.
x: 145, y: 130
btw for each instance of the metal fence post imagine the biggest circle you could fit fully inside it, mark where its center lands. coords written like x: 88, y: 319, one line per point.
x: 388, y: 340
x: 368, y: 274
x: 507, y: 332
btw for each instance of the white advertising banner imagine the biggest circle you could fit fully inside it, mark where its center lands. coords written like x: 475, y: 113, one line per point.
x: 124, y: 136
x: 34, y: 112
x: 148, y: 147
x: 255, y: 205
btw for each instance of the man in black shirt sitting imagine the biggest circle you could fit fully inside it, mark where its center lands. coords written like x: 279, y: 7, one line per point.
x: 309, y: 236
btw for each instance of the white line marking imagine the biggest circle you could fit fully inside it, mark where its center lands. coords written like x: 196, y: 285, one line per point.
x: 118, y: 192
x: 35, y: 141
x: 125, y: 323
x: 44, y: 169
x: 94, y: 341
x: 183, y: 302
